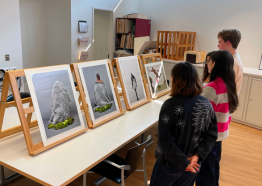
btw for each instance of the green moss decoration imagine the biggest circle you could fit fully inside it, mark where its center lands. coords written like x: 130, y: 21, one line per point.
x: 104, y: 108
x: 61, y: 125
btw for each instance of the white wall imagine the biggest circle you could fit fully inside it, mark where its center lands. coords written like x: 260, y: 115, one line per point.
x: 58, y: 32
x: 110, y: 4
x: 208, y: 17
x: 82, y: 10
x: 10, y: 34
x: 46, y: 32
x: 33, y: 31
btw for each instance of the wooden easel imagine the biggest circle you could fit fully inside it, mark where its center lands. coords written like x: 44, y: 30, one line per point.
x: 116, y: 61
x: 74, y: 69
x: 26, y: 122
x: 153, y: 57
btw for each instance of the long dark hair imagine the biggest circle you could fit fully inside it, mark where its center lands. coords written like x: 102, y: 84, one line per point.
x: 206, y: 73
x: 185, y: 80
x: 224, y: 68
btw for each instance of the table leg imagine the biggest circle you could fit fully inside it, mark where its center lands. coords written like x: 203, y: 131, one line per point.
x: 84, y: 179
x: 3, y: 180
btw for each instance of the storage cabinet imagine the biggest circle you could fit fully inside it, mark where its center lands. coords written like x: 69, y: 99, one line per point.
x: 239, y: 113
x: 131, y: 33
x: 254, y: 107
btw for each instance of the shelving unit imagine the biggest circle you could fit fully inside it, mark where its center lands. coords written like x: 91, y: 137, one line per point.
x: 137, y: 29
x: 173, y: 44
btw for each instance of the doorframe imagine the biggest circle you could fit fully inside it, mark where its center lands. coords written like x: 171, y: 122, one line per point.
x: 93, y: 26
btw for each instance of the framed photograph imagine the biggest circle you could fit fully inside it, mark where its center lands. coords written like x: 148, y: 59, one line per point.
x: 99, y: 90
x: 156, y: 78
x: 260, y: 64
x: 55, y: 101
x: 132, y: 79
x: 82, y: 26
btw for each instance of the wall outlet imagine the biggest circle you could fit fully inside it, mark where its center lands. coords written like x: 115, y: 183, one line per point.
x: 7, y: 57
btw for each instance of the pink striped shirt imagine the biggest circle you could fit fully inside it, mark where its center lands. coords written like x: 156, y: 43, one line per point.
x: 216, y: 93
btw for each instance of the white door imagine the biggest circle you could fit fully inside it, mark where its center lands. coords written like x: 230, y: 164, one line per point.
x: 103, y: 34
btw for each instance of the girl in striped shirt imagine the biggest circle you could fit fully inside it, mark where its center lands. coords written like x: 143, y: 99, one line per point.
x: 222, y: 93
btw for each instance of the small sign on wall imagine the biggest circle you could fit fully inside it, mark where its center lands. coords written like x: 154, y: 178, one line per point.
x: 83, y: 41
x: 83, y: 55
x: 82, y: 27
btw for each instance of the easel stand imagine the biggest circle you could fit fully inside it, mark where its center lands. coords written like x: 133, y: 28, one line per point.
x: 147, y: 57
x: 74, y: 69
x: 25, y: 115
x: 153, y: 57
x: 120, y: 78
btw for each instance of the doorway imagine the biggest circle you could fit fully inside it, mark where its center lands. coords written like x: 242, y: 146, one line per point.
x: 103, y: 34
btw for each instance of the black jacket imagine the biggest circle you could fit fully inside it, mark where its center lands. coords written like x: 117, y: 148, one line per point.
x: 186, y: 126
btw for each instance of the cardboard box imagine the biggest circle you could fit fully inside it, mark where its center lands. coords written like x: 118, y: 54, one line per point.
x: 195, y: 56
x: 140, y: 16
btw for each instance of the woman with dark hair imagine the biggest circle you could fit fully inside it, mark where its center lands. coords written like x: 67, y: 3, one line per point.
x: 206, y: 74
x: 187, y: 130
x: 222, y: 93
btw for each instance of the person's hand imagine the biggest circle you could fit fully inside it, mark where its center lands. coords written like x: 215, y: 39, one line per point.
x: 193, y: 166
x: 190, y: 168
x: 193, y: 159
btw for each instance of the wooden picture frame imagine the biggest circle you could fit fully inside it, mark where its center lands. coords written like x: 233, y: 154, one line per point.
x: 120, y: 79
x: 153, y: 57
x: 260, y: 64
x: 147, y: 57
x: 25, y: 115
x: 85, y: 106
x: 55, y: 102
x: 155, y: 95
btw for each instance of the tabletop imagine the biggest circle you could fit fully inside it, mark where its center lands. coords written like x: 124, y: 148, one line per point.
x: 65, y: 162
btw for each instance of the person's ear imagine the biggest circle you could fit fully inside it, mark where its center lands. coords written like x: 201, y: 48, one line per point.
x: 228, y: 43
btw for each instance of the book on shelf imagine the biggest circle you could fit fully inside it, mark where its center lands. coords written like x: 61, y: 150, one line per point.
x: 130, y: 42
x: 126, y: 41
x: 124, y: 25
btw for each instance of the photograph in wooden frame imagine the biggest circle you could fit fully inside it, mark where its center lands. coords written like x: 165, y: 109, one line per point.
x: 125, y: 77
x: 156, y: 78
x: 55, y: 102
x: 99, y: 90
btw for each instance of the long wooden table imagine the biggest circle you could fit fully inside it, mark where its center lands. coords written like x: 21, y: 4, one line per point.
x: 67, y: 161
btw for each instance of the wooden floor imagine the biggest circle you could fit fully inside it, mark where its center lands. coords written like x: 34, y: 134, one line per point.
x: 241, y: 163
